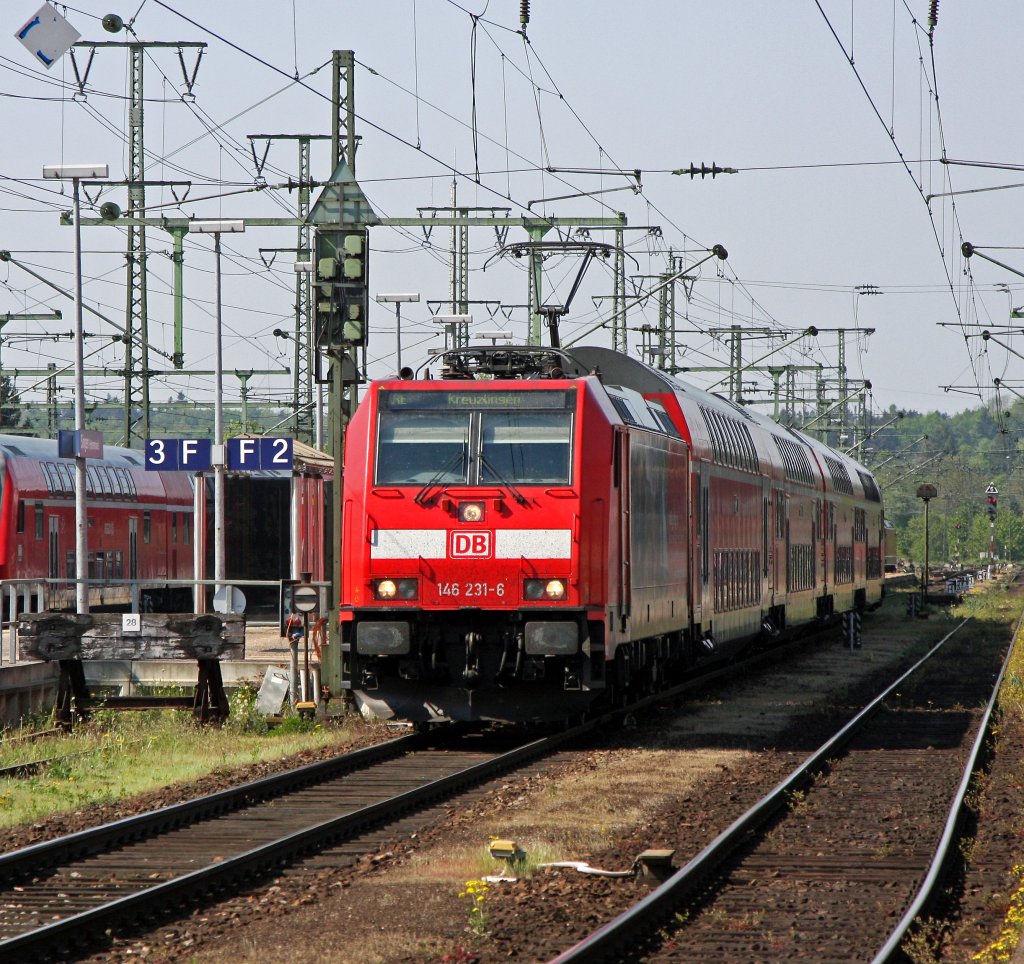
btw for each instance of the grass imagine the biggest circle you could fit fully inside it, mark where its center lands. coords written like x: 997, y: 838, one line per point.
x: 118, y: 755
x: 1011, y: 708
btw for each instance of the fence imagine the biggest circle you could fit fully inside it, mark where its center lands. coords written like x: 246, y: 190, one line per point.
x: 39, y: 595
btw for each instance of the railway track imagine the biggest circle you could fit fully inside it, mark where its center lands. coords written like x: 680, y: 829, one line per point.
x: 842, y: 858
x: 157, y: 867
x: 56, y: 897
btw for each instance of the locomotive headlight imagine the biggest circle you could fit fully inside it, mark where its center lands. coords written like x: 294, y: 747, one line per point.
x: 471, y: 512
x: 544, y: 589
x: 396, y: 588
x: 386, y: 589
x: 554, y: 589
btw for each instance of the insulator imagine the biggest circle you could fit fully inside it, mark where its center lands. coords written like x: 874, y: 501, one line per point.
x: 933, y: 13
x: 524, y: 11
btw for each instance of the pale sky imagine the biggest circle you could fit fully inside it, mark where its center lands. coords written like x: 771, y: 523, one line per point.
x: 821, y: 206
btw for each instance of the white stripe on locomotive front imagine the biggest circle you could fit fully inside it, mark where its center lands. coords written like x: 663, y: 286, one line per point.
x: 433, y: 543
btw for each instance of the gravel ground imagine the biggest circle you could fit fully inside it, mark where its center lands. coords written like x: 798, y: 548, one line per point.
x: 672, y: 782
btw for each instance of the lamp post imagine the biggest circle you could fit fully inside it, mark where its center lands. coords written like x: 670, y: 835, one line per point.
x: 452, y: 323
x: 398, y: 301
x: 76, y: 173
x: 217, y: 228
x: 495, y: 336
x: 926, y: 492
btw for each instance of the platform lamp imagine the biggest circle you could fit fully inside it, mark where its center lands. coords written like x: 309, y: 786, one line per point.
x: 926, y: 492
x: 76, y: 173
x: 495, y: 336
x: 217, y: 228
x: 398, y: 300
x: 452, y: 324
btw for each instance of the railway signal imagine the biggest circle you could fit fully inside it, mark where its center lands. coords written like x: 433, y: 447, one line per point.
x: 991, y: 492
x: 341, y: 279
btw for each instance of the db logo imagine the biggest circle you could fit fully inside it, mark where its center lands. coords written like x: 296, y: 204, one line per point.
x: 476, y: 545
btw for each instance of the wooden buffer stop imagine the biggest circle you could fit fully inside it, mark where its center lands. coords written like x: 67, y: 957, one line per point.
x: 69, y: 639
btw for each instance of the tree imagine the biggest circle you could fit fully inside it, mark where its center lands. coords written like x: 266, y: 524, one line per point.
x: 11, y: 413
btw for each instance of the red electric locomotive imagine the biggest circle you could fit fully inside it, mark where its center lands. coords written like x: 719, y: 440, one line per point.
x: 537, y: 529
x: 140, y: 524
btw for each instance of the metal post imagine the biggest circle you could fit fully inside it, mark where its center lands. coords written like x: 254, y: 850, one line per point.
x: 12, y: 620
x: 398, y: 335
x: 305, y: 652
x: 219, y: 555
x: 924, y: 575
x: 75, y: 173
x: 216, y: 228
x: 81, y: 535
x: 293, y: 669
x: 926, y: 492
x: 397, y: 300
x: 199, y: 543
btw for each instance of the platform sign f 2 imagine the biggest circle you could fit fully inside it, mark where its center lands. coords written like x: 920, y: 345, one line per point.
x: 266, y: 454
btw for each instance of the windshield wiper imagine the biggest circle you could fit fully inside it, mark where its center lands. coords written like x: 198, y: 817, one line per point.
x: 423, y: 496
x: 489, y: 465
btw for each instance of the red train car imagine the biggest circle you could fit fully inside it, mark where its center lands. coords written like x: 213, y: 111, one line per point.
x: 537, y: 530
x: 140, y: 524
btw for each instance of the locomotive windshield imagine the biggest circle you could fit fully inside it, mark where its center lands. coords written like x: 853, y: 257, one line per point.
x: 475, y: 437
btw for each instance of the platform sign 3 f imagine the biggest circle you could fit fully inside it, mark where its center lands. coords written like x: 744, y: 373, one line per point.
x: 178, y: 454
x: 266, y: 454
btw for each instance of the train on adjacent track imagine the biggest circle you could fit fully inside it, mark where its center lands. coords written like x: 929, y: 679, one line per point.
x: 140, y: 524
x: 538, y: 530
x: 143, y: 530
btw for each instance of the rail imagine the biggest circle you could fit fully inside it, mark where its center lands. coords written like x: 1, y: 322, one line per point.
x: 947, y: 843
x: 253, y: 858
x: 622, y: 932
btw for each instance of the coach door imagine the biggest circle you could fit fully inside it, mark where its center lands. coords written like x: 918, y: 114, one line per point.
x: 133, y: 548
x: 625, y: 536
x: 700, y: 569
x: 54, y: 547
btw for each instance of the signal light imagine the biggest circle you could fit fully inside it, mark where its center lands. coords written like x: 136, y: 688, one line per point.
x: 342, y: 287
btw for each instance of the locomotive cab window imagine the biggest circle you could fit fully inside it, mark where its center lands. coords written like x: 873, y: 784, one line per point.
x: 526, y: 447
x: 474, y: 437
x: 415, y: 447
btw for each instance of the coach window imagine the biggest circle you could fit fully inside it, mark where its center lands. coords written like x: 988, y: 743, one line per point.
x: 51, y: 484
x: 66, y: 483
x: 186, y: 528
x: 128, y: 484
x: 21, y: 515
x: 91, y: 488
x: 174, y: 527
x: 39, y: 520
x: 105, y: 486
x: 147, y: 526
